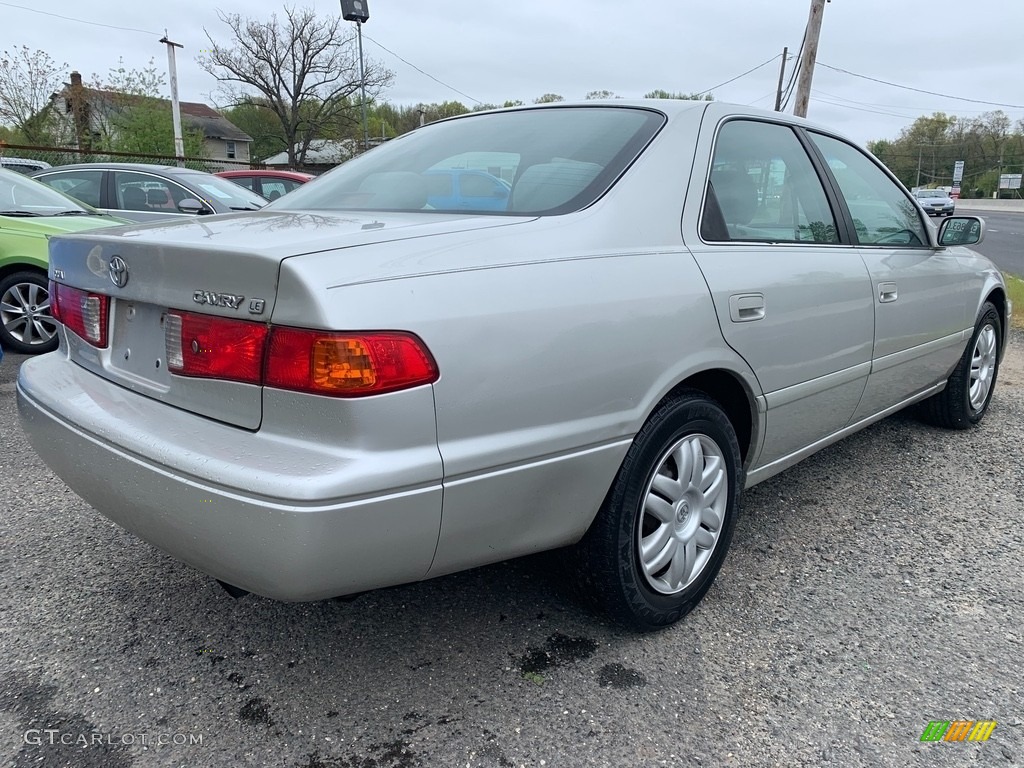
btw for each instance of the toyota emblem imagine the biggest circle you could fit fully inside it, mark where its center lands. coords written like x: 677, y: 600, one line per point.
x: 118, y: 272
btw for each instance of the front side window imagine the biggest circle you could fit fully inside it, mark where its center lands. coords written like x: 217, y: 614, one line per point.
x: 882, y: 213
x: 552, y: 160
x: 763, y: 188
x: 145, y: 192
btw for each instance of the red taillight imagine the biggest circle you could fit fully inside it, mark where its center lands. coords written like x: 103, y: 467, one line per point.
x: 81, y: 312
x: 211, y: 347
x: 347, y: 364
x: 297, y: 359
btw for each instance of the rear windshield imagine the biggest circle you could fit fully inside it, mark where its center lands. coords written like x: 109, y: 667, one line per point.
x: 539, y: 161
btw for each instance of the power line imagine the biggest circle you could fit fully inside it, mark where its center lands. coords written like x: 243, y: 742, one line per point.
x: 744, y: 74
x: 858, y: 109
x: 80, y: 21
x: 788, y: 90
x: 421, y: 71
x: 921, y: 90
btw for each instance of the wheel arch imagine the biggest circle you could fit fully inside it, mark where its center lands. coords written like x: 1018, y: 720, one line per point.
x: 27, y: 264
x: 732, y: 393
x: 997, y: 297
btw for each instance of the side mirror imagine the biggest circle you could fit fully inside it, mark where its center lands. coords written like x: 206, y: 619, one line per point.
x: 962, y: 230
x: 193, y: 206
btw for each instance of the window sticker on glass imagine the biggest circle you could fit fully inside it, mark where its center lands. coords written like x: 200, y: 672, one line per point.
x: 218, y: 193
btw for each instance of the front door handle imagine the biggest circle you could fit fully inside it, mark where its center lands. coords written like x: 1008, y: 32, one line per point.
x: 746, y: 307
x: 887, y: 292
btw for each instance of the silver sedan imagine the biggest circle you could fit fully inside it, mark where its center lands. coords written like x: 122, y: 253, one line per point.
x: 358, y: 388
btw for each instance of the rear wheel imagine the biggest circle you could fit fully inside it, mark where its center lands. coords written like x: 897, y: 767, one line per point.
x: 663, y: 531
x: 26, y: 324
x: 969, y: 389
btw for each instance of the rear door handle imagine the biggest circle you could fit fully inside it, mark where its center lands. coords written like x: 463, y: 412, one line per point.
x: 887, y: 292
x: 746, y: 307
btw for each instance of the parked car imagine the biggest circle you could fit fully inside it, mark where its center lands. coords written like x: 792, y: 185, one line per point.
x: 141, y: 192
x: 29, y: 214
x: 266, y: 183
x: 355, y: 388
x: 936, y: 202
x: 23, y: 164
x: 466, y: 188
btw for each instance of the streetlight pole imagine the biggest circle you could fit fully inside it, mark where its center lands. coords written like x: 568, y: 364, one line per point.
x: 362, y: 88
x: 179, y: 144
x: 359, y: 12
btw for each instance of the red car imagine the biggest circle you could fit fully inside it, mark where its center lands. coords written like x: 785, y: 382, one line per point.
x: 270, y: 184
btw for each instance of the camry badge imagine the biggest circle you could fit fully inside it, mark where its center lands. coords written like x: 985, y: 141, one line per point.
x: 118, y: 271
x: 215, y: 299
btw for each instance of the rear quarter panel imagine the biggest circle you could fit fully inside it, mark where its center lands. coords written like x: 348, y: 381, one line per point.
x: 555, y: 339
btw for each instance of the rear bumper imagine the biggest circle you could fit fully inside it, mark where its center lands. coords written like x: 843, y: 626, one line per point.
x: 266, y: 529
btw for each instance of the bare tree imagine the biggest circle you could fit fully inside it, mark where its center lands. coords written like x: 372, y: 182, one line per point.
x: 303, y: 69
x: 27, y: 81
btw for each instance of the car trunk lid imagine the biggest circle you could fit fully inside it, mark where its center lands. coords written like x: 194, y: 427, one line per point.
x: 225, y: 266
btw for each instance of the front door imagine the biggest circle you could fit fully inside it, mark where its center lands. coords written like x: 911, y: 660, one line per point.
x: 919, y: 292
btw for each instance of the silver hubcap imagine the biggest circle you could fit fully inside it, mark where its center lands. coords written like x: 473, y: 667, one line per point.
x: 983, y: 367
x: 25, y: 313
x: 683, y: 509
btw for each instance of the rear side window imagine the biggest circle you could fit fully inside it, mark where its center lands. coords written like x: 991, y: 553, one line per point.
x: 881, y: 211
x: 82, y: 185
x: 763, y: 187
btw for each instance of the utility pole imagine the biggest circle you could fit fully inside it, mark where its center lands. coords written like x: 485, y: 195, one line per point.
x: 920, y: 149
x: 782, y: 74
x: 179, y: 145
x: 803, y: 85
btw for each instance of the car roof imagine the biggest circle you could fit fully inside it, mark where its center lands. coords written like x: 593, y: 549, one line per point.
x: 24, y: 161
x: 152, y: 168
x: 266, y: 173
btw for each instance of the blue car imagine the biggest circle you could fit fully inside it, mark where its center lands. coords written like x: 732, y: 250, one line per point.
x: 466, y: 188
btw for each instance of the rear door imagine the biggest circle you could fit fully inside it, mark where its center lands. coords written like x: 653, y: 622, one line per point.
x: 792, y: 297
x: 919, y: 292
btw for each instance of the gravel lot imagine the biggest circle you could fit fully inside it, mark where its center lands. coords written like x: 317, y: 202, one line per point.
x: 873, y: 588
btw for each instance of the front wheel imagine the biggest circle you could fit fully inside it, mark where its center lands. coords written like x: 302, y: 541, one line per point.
x: 663, y: 531
x: 964, y: 401
x: 26, y: 325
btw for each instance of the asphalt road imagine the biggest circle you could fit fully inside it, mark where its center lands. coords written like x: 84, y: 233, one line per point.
x: 872, y: 589
x: 1004, y: 238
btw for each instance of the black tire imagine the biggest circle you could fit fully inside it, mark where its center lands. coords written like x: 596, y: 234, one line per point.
x: 959, y: 406
x: 26, y: 325
x: 609, y: 567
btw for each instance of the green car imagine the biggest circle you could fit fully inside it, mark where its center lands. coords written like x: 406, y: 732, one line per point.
x: 29, y: 213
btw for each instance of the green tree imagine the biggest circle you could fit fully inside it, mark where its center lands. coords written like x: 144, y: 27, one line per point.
x: 258, y: 120
x: 662, y: 94
x: 27, y: 81
x: 132, y: 115
x: 599, y: 95
x: 548, y: 98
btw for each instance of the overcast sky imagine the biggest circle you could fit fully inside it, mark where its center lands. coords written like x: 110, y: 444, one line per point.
x: 493, y: 50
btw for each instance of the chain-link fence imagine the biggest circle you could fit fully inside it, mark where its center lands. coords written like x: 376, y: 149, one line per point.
x: 26, y: 158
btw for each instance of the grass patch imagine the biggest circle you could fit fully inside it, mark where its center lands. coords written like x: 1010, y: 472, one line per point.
x: 1015, y: 287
